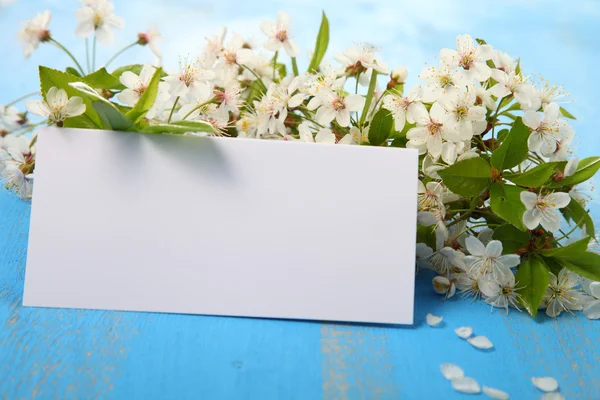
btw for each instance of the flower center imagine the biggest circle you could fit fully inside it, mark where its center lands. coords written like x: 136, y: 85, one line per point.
x: 434, y: 128
x: 188, y: 75
x: 466, y: 61
x: 282, y: 35
x: 445, y: 80
x: 338, y: 104
x: 98, y: 20
x: 461, y: 112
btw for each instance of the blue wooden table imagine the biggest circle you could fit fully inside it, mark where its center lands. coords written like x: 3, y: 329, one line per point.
x: 77, y: 354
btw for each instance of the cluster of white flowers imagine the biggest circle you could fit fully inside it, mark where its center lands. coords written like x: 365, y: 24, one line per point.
x: 244, y: 91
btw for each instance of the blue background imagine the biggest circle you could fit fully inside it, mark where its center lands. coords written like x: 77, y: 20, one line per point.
x: 46, y: 353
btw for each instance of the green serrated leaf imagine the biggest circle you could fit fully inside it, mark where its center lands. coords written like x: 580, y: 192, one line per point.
x: 572, y: 249
x: 513, y: 149
x: 102, y: 79
x: 553, y: 265
x: 380, y: 127
x: 505, y: 201
x: 586, y: 169
x: 468, y: 177
x: 503, y: 134
x: 586, y: 264
x: 532, y: 276
x: 321, y: 45
x: 399, y: 142
x: 512, y: 238
x: 72, y: 71
x: 534, y: 177
x: 566, y: 114
x: 196, y: 126
x: 112, y: 117
x: 51, y: 77
x: 147, y: 99
x: 575, y: 212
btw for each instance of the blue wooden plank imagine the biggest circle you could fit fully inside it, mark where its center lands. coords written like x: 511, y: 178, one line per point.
x: 74, y: 354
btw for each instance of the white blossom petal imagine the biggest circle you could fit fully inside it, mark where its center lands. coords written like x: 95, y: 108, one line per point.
x: 433, y: 320
x: 545, y: 384
x: 480, y: 342
x: 451, y: 371
x: 466, y: 385
x: 464, y: 332
x: 496, y: 394
x: 592, y: 309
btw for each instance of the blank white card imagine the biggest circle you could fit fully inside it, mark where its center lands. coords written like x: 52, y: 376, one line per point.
x: 222, y: 226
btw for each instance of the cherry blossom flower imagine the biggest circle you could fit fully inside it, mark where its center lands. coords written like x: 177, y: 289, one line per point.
x: 360, y: 59
x: 324, y: 135
x: 399, y: 75
x: 512, y: 83
x: 469, y: 57
x: 430, y: 131
x: 97, y: 17
x: 10, y: 118
x: 487, y: 262
x: 562, y: 294
x: 547, y: 132
x: 34, y: 32
x: 57, y: 107
x: 441, y: 81
x: 279, y: 35
x: 136, y: 85
x: 337, y: 105
x: 150, y: 38
x: 404, y: 108
x: 191, y: 81
x: 464, y: 117
x: 501, y: 292
x: 543, y: 209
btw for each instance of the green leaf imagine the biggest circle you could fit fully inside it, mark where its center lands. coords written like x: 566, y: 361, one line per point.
x: 576, y: 213
x: 102, y: 79
x: 553, y: 265
x: 112, y: 117
x: 586, y: 264
x: 566, y: 114
x: 196, y: 126
x: 135, y: 68
x: 321, y: 45
x: 505, y: 201
x: 426, y: 234
x: 533, y: 277
x: 572, y: 249
x: 585, y: 170
x: 513, y: 149
x: 512, y: 238
x: 503, y: 134
x: 534, y: 177
x: 468, y: 177
x: 177, y: 129
x: 399, y: 142
x: 72, y: 71
x: 51, y: 77
x: 380, y: 127
x: 147, y: 99
x: 480, y: 41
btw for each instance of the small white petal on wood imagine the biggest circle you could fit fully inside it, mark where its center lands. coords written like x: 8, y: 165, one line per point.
x: 496, y: 394
x: 552, y: 396
x: 466, y: 385
x: 545, y: 384
x: 481, y: 342
x: 451, y: 371
x: 433, y: 320
x: 464, y: 332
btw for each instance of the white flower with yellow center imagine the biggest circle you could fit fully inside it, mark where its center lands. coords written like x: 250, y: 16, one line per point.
x: 34, y: 32
x: 431, y: 131
x: 361, y: 59
x: 97, y: 17
x: 486, y: 262
x: 502, y: 291
x: 150, y: 38
x: 546, y: 133
x: 279, y: 35
x: 57, y: 107
x: 441, y: 81
x: 337, y: 105
x: 562, y: 294
x: 191, y: 81
x: 136, y: 85
x: 543, y: 209
x: 464, y: 117
x: 404, y: 108
x: 324, y: 135
x: 469, y: 57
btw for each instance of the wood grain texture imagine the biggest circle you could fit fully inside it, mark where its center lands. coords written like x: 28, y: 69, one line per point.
x: 77, y: 354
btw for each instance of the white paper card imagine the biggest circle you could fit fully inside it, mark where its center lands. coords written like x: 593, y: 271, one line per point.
x: 222, y: 226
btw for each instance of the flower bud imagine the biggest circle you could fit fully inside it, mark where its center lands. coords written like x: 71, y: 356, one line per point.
x: 399, y: 75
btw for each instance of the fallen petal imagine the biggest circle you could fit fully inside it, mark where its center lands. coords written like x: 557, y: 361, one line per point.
x: 481, y: 342
x: 545, y: 384
x: 451, y: 371
x: 433, y: 320
x: 466, y: 385
x: 464, y: 332
x: 495, y: 393
x: 552, y: 396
